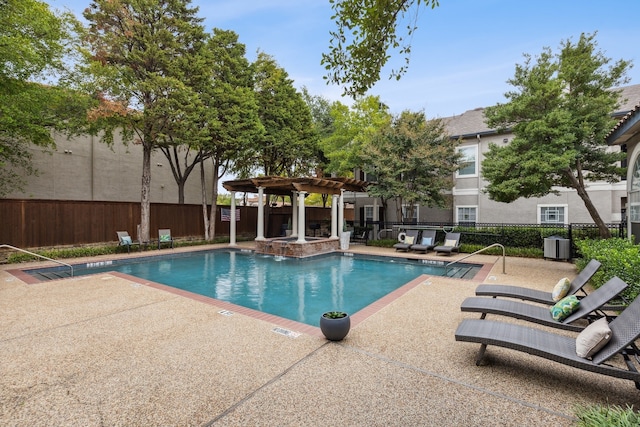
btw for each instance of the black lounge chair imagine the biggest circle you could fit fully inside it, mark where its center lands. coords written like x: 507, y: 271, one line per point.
x: 625, y: 329
x: 451, y: 244
x: 509, y: 291
x: 404, y: 245
x: 592, y: 303
x: 427, y: 242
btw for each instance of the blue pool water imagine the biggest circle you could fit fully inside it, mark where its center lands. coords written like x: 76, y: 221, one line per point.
x: 296, y: 289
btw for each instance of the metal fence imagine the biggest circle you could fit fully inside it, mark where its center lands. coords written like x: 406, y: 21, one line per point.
x: 511, y: 235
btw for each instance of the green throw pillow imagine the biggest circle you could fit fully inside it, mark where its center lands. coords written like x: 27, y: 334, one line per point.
x: 563, y: 308
x: 165, y: 238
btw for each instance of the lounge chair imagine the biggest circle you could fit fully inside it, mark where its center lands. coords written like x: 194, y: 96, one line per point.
x: 625, y: 329
x: 411, y: 237
x: 535, y: 295
x: 451, y: 244
x: 426, y: 243
x: 164, y: 236
x: 125, y: 240
x: 593, y: 302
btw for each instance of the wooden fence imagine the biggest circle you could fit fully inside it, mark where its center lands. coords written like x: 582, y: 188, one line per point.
x: 50, y: 223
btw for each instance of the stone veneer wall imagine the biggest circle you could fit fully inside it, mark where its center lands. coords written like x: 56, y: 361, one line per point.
x: 294, y: 249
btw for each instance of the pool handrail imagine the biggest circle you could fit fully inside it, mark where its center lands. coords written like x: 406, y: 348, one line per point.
x: 446, y: 267
x: 39, y: 256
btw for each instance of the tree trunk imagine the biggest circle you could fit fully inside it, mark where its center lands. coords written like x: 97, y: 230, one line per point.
x: 214, y: 199
x: 204, y: 201
x: 145, y: 198
x: 181, y: 192
x: 578, y: 184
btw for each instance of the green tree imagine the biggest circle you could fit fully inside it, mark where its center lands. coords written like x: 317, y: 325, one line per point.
x: 140, y: 54
x: 231, y: 119
x: 323, y: 125
x: 288, y: 146
x: 366, y: 30
x: 413, y: 160
x: 560, y: 114
x: 33, y: 43
x: 353, y: 129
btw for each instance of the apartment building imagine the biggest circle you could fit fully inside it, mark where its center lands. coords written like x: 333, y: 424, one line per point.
x: 469, y: 203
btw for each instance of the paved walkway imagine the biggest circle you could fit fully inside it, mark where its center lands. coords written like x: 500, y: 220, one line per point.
x: 106, y: 351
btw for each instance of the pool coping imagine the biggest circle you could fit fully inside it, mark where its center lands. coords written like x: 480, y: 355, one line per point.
x: 228, y: 308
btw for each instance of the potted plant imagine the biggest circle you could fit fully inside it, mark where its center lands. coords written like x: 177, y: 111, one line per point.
x: 335, y: 325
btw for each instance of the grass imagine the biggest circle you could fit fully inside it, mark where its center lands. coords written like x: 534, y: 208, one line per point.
x: 607, y: 416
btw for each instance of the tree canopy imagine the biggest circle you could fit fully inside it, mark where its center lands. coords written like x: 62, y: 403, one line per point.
x: 353, y: 128
x: 33, y: 42
x: 559, y: 112
x: 288, y: 145
x: 144, y: 56
x: 413, y: 160
x: 366, y: 31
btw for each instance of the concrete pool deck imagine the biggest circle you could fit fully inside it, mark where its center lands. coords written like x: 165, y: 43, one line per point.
x: 105, y: 350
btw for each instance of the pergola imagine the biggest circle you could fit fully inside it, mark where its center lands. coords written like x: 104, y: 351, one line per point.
x: 293, y: 187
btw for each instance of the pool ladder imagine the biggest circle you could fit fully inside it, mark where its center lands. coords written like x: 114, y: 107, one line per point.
x: 39, y: 256
x: 446, y: 267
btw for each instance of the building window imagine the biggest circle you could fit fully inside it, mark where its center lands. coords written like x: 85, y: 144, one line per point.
x: 634, y: 193
x: 368, y: 213
x: 552, y: 214
x: 369, y: 177
x: 469, y: 161
x: 405, y: 212
x: 466, y: 214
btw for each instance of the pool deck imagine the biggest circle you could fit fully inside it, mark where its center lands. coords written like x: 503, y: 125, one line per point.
x: 105, y: 350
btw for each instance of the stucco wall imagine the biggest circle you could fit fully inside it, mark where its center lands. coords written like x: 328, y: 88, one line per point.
x: 83, y: 168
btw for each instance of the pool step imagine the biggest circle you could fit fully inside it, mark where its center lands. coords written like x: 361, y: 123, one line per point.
x: 462, y: 272
x: 53, y: 275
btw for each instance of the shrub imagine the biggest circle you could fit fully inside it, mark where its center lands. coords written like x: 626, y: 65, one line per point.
x: 619, y: 257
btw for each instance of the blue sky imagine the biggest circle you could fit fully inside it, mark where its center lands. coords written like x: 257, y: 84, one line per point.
x: 463, y: 51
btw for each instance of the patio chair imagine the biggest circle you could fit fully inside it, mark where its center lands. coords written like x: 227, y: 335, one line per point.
x: 543, y: 297
x: 411, y: 237
x: 593, y: 302
x: 426, y: 243
x: 164, y: 236
x: 125, y: 240
x: 625, y: 329
x: 451, y: 244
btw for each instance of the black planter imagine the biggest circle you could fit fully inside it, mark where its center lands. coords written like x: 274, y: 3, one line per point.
x: 335, y: 329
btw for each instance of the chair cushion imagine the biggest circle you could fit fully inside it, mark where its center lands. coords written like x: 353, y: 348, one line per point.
x: 450, y: 242
x: 426, y: 241
x: 409, y: 240
x: 593, y: 338
x: 560, y: 289
x: 126, y: 240
x: 563, y: 308
x: 165, y: 238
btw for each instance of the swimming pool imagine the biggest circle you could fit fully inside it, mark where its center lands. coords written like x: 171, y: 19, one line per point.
x: 299, y: 289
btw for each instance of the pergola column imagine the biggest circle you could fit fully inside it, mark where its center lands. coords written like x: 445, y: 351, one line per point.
x: 232, y: 225
x: 334, y: 216
x: 294, y: 214
x: 341, y: 213
x: 260, y: 235
x: 301, y: 217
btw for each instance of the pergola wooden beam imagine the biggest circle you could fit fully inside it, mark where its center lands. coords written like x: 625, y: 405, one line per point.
x: 283, y: 186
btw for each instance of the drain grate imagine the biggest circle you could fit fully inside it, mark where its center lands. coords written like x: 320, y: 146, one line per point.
x: 286, y: 332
